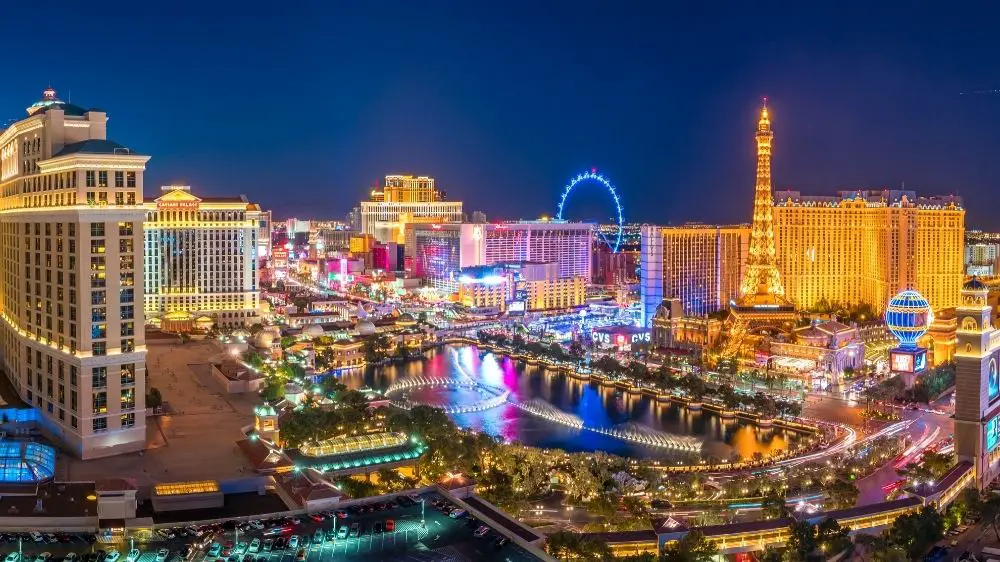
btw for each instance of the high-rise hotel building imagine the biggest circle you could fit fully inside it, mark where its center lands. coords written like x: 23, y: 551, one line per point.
x: 700, y: 265
x: 436, y: 252
x: 71, y: 319
x: 201, y: 259
x: 403, y: 200
x: 865, y: 246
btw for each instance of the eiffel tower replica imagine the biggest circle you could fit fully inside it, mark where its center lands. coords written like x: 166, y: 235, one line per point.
x: 762, y: 305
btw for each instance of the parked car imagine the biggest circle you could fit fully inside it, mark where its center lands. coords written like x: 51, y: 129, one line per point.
x: 340, y: 514
x: 458, y: 514
x: 112, y: 556
x: 390, y: 525
x: 36, y: 536
x: 240, y: 548
x: 12, y: 557
x: 341, y: 534
x: 331, y: 535
x: 481, y: 531
x: 279, y: 543
x: 300, y: 555
x: 268, y: 545
x: 134, y: 555
x: 415, y: 497
x: 377, y: 528
x: 293, y: 541
x: 43, y: 557
x: 72, y: 557
x: 215, y: 550
x: 317, y: 517
x: 318, y: 536
x: 166, y: 534
x: 257, y: 525
x: 255, y: 545
x: 499, y: 542
x: 355, y: 530
x: 162, y: 555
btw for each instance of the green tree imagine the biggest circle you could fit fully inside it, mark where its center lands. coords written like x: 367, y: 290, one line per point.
x: 916, y: 532
x: 518, y: 342
x: 576, y: 350
x: 990, y: 511
x: 774, y: 506
x: 153, y: 398
x: 694, y: 547
x: 376, y: 348
x: 842, y: 493
x: 802, y: 541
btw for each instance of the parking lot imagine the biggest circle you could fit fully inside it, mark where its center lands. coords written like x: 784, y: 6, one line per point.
x: 436, y: 536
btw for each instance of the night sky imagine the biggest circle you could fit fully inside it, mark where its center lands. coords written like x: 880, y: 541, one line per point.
x: 302, y: 107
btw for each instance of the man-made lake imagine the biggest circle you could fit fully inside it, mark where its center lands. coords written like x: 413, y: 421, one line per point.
x: 597, y: 407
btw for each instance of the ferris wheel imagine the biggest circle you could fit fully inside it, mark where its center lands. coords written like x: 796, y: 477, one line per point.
x: 615, y: 240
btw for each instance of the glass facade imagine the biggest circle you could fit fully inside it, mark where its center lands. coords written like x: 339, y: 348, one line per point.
x: 24, y: 461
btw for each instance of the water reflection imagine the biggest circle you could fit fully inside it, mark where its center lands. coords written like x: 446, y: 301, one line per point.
x: 598, y: 407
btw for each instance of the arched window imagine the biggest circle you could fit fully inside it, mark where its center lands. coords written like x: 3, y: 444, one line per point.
x: 968, y: 348
x: 969, y: 324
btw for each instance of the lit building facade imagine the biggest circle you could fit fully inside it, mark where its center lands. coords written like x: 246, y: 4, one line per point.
x: 201, y: 258
x: 866, y: 246
x: 519, y: 287
x: 71, y: 320
x: 982, y: 258
x: 403, y: 200
x: 264, y: 235
x: 701, y: 266
x: 977, y: 383
x: 436, y: 252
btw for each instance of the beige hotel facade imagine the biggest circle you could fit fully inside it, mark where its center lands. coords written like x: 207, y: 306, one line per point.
x: 71, y: 314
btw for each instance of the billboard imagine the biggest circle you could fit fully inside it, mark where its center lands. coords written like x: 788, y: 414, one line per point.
x: 992, y: 433
x: 907, y: 360
x: 994, y: 380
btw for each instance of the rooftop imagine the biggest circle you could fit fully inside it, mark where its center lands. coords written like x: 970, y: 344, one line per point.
x: 93, y: 146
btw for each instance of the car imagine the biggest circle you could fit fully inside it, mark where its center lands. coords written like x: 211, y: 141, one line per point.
x: 162, y: 555
x: 458, y: 514
x: 133, y: 555
x: 390, y: 525
x: 255, y: 545
x: 36, y: 536
x: 415, y: 497
x: 279, y: 543
x: 240, y: 548
x: 166, y: 534
x: 186, y: 551
x: 380, y: 506
x: 100, y: 555
x: 500, y: 542
x: 293, y: 520
x: 248, y: 558
x: 293, y: 541
x: 377, y: 528
x: 341, y: 534
x: 51, y: 538
x: 63, y: 537
x: 355, y: 530
x: 257, y: 525
x: 481, y: 531
x: 317, y: 517
x: 331, y: 535
x: 472, y: 523
x: 72, y: 557
x: 196, y: 531
x: 112, y: 556
x: 318, y: 536
x: 226, y: 552
x: 12, y: 557
x: 301, y: 554
x: 340, y: 514
x: 43, y: 557
x: 268, y: 545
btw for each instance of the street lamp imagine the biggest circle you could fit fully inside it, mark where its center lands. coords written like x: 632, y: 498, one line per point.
x: 423, y: 524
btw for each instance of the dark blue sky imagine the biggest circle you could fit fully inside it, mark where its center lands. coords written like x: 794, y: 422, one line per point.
x: 301, y: 106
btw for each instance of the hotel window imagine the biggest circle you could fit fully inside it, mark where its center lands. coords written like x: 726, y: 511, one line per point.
x: 119, y: 179
x: 72, y: 421
x: 100, y: 424
x: 91, y: 179
x: 128, y: 420
x: 99, y: 377
x: 130, y: 179
x: 91, y: 198
x: 119, y: 198
x: 124, y: 229
x: 127, y: 312
x: 128, y: 345
x: 98, y: 297
x: 102, y: 178
x: 125, y: 245
x: 97, y: 246
x: 100, y: 403
x: 99, y: 331
x: 128, y: 374
x: 100, y: 349
x: 72, y: 377
x: 96, y: 229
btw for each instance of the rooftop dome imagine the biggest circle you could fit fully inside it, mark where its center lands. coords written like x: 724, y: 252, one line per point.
x: 908, y: 317
x: 974, y: 284
x: 313, y: 331
x: 365, y: 327
x: 50, y: 100
x: 26, y: 461
x: 263, y: 339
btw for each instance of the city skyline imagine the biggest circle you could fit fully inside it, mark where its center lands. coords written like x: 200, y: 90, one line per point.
x: 504, y: 126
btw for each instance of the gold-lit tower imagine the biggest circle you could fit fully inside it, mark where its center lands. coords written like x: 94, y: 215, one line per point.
x: 762, y: 299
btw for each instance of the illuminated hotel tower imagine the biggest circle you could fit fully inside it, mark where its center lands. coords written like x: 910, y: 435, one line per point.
x: 977, y: 383
x: 71, y: 315
x: 762, y: 294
